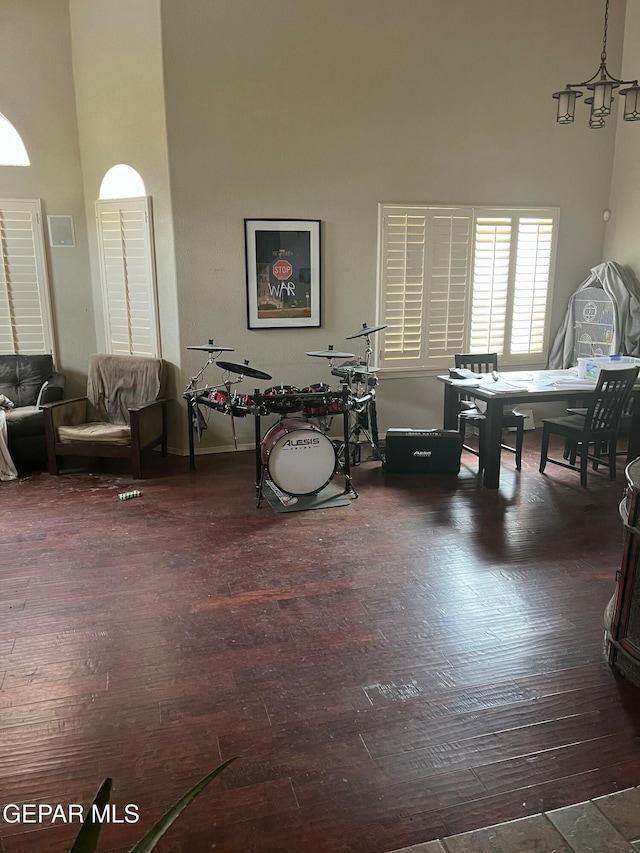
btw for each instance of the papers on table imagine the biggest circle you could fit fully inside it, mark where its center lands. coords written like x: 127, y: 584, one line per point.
x: 531, y: 381
x: 519, y: 375
x: 499, y: 386
x: 560, y: 380
x: 572, y: 382
x: 465, y: 383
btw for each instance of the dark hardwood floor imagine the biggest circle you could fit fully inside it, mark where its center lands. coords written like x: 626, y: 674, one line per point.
x: 424, y: 661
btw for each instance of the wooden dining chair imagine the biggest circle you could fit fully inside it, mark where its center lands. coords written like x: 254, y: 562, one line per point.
x: 587, y: 436
x: 470, y: 414
x: 623, y: 428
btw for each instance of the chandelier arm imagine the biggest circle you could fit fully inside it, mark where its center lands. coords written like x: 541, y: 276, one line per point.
x: 607, y: 76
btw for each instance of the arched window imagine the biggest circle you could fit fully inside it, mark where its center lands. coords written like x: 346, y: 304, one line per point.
x: 12, y: 150
x: 122, y: 181
x: 127, y: 264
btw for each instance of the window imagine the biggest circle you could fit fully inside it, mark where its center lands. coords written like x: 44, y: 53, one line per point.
x: 122, y: 181
x: 127, y: 268
x: 464, y: 280
x: 12, y: 150
x: 25, y: 312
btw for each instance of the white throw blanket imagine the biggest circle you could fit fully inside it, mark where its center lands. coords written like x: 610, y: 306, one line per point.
x: 7, y: 468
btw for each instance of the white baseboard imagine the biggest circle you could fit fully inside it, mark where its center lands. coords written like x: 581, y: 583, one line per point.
x: 229, y: 448
x: 207, y: 451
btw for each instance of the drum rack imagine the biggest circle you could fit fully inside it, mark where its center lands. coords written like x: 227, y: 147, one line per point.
x: 264, y: 405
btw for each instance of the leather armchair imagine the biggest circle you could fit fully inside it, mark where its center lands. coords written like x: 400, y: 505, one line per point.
x: 29, y: 381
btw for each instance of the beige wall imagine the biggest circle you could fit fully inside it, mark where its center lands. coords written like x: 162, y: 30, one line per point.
x: 324, y: 108
x: 119, y: 90
x: 37, y: 97
x: 304, y: 108
x: 622, y: 241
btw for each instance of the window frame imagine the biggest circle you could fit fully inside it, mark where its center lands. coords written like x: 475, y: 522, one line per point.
x: 433, y: 366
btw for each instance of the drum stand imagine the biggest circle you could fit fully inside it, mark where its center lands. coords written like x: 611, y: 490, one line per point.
x: 261, y: 467
x: 365, y: 423
x: 366, y: 420
x: 191, y: 393
x: 194, y: 395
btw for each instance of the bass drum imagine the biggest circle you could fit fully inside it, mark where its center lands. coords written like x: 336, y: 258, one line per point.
x: 299, y: 458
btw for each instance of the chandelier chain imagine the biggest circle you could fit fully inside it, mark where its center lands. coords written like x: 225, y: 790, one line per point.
x: 603, y: 55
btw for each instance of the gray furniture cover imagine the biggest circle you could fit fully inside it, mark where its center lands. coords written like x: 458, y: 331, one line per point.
x: 621, y: 287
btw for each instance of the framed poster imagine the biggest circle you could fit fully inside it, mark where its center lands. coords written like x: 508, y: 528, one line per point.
x: 283, y: 273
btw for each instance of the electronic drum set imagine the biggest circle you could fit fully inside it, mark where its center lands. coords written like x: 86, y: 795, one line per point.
x: 295, y: 455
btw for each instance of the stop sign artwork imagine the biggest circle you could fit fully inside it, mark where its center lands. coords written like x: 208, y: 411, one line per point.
x: 282, y: 270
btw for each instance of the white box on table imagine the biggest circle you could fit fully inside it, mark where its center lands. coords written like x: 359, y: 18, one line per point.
x: 589, y: 368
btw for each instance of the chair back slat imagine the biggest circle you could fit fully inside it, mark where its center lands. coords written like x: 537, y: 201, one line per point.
x: 608, y: 403
x: 484, y: 362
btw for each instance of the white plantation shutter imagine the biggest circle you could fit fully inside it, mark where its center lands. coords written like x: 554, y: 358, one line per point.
x: 425, y: 257
x: 464, y: 280
x: 511, y: 283
x: 25, y: 313
x: 490, y: 286
x: 127, y: 264
x: 403, y: 252
x: 532, y: 283
x: 448, y: 282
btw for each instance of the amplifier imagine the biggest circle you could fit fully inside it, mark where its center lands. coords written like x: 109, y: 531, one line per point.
x: 423, y: 451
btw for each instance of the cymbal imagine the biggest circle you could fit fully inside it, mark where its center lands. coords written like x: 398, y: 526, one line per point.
x: 331, y: 353
x: 366, y: 330
x: 211, y: 347
x: 244, y: 369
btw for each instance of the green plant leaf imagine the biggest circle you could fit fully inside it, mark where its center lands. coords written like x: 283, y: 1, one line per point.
x: 149, y: 841
x: 87, y: 839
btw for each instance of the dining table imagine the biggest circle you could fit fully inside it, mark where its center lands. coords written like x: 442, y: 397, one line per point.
x: 523, y: 388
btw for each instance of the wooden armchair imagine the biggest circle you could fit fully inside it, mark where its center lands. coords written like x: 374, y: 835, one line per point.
x: 123, y: 414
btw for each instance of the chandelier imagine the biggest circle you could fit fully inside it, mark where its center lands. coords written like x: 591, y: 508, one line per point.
x: 601, y: 85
